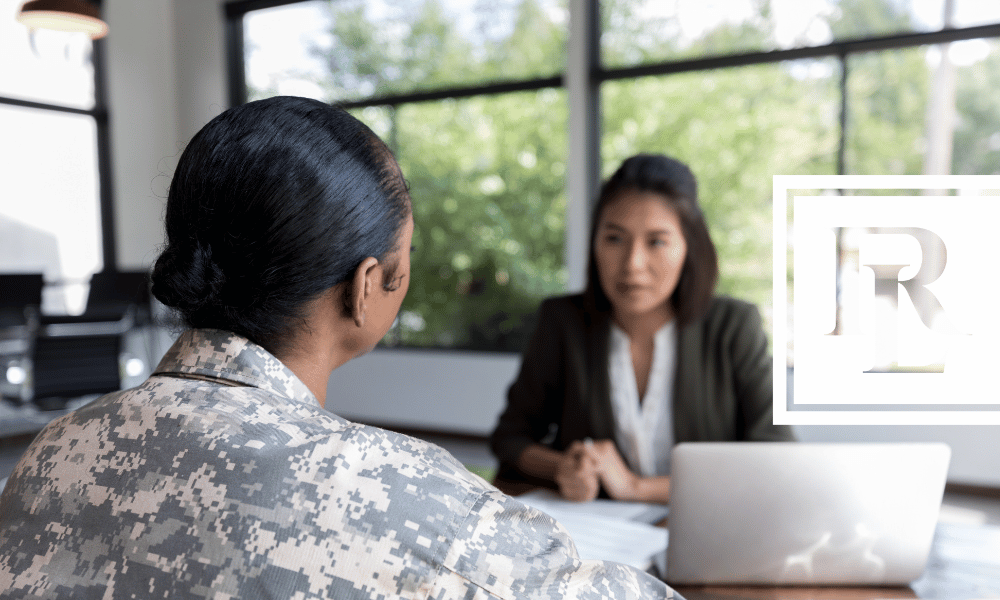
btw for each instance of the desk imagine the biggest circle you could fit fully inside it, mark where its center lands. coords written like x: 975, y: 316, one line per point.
x: 964, y: 564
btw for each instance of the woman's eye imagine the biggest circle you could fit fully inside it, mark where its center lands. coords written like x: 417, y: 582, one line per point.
x: 658, y: 242
x: 612, y: 238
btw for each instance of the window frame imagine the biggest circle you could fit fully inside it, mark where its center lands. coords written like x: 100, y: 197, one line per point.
x: 582, y: 78
x: 99, y: 112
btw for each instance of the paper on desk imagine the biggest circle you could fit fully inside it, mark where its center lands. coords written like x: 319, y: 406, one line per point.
x: 603, y: 529
x: 644, y: 512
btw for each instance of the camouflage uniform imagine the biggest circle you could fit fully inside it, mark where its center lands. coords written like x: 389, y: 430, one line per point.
x: 222, y: 477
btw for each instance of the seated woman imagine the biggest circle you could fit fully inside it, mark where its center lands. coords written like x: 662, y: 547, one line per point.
x: 645, y: 358
x: 288, y: 236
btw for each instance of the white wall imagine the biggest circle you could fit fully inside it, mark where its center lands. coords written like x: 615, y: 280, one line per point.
x: 166, y: 70
x: 166, y: 76
x: 200, y: 64
x: 423, y: 389
x: 141, y: 81
x: 975, y: 450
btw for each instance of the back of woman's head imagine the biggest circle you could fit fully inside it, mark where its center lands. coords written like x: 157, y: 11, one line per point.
x: 675, y: 182
x: 272, y: 203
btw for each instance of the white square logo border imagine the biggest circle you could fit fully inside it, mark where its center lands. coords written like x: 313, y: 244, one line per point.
x: 787, y: 413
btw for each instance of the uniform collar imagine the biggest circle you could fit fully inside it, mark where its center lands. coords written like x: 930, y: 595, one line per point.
x: 233, y: 359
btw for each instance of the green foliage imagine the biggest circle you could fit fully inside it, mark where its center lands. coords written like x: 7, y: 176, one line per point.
x: 736, y: 129
x: 413, y: 45
x: 977, y: 132
x: 628, y: 40
x: 489, y: 206
x: 887, y: 104
x: 487, y: 174
x: 863, y: 18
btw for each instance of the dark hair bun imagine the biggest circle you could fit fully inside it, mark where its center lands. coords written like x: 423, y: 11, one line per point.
x: 187, y: 279
x: 272, y: 203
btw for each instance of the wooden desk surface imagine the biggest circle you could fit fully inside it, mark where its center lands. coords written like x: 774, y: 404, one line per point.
x: 964, y: 564
x: 734, y: 592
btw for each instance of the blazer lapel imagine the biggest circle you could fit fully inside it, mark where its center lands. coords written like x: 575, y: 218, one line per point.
x: 688, y: 384
x: 601, y: 416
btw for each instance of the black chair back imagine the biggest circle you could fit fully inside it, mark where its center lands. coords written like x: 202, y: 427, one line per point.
x: 112, y: 293
x: 19, y: 291
x: 76, y: 365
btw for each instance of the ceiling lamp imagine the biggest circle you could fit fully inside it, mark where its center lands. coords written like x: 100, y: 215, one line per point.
x: 64, y: 15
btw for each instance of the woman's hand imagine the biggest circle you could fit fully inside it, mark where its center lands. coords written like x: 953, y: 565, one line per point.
x: 618, y: 480
x: 621, y: 483
x: 576, y: 473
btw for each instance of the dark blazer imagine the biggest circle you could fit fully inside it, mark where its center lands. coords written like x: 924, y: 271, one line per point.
x: 722, y: 388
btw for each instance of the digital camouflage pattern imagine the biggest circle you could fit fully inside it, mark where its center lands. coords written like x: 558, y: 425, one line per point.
x: 222, y: 477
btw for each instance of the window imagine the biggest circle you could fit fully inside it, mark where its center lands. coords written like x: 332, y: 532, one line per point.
x: 469, y: 98
x: 648, y: 31
x: 735, y: 128
x: 741, y: 90
x: 53, y: 208
x: 350, y: 50
x: 794, y: 88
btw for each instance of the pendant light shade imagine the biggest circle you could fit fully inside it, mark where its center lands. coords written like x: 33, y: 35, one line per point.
x: 64, y: 15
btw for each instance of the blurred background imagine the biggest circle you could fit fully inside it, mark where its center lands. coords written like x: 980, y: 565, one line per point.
x: 504, y: 115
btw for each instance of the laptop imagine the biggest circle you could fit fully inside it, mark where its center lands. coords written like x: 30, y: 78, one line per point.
x: 803, y: 513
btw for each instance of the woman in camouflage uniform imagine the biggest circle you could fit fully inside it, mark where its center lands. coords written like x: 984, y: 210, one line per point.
x: 288, y: 234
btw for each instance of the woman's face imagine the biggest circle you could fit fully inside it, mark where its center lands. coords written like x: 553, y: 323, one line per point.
x: 639, y: 251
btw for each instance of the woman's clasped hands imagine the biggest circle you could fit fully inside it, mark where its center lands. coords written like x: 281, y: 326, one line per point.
x: 588, y: 465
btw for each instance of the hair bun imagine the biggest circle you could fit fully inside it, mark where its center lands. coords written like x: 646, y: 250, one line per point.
x: 187, y: 278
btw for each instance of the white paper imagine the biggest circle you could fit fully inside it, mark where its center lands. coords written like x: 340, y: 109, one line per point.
x: 643, y: 512
x: 607, y: 529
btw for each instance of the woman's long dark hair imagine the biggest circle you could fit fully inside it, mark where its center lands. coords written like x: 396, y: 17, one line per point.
x: 675, y: 182
x: 272, y: 203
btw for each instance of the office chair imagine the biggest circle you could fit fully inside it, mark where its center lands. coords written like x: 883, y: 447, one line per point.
x: 20, y: 304
x: 80, y: 355
x: 114, y: 293
x: 70, y: 366
x: 19, y: 293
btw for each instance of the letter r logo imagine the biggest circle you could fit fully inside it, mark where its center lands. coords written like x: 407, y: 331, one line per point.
x: 933, y: 259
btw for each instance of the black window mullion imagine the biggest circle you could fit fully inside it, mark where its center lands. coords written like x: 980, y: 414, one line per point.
x: 109, y: 244
x: 93, y: 112
x: 236, y: 65
x: 837, y: 48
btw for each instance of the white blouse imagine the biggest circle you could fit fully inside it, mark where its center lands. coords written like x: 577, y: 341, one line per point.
x: 644, y: 431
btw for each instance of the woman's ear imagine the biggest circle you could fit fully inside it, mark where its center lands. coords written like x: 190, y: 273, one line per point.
x: 365, y: 281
